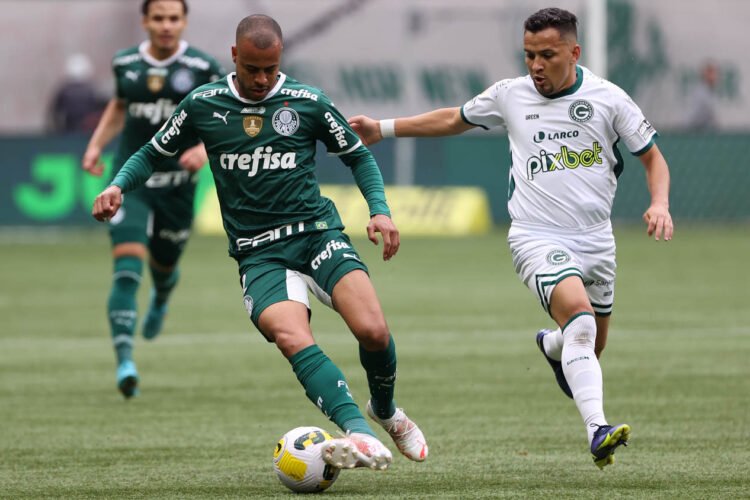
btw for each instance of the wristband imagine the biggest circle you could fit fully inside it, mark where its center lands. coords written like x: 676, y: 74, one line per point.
x: 388, y: 128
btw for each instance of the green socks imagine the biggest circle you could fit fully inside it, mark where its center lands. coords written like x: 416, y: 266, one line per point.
x: 326, y: 387
x: 121, y: 307
x: 381, y: 377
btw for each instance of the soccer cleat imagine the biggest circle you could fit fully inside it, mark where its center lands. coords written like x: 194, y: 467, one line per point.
x: 127, y: 379
x: 408, y: 438
x: 154, y: 319
x: 556, y: 365
x: 606, y: 439
x: 357, y: 450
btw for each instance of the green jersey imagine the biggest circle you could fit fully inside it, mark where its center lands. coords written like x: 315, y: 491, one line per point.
x: 151, y: 90
x: 262, y: 157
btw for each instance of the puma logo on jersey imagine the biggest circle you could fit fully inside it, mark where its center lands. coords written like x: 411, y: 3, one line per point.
x: 132, y: 75
x: 350, y: 256
x: 565, y: 159
x: 263, y: 158
x: 221, y: 117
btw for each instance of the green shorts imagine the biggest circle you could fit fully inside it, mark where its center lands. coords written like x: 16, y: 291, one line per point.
x: 287, y: 268
x: 160, y: 219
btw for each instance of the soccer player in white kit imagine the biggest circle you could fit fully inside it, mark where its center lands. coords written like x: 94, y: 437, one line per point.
x: 564, y: 125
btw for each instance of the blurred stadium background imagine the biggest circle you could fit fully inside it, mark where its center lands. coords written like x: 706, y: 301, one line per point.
x: 210, y: 411
x: 391, y: 57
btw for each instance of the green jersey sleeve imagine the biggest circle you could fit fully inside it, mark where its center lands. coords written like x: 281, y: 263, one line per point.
x: 334, y: 130
x: 173, y: 137
x: 178, y: 132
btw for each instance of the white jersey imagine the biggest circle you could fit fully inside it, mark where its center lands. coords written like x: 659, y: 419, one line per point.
x: 564, y: 157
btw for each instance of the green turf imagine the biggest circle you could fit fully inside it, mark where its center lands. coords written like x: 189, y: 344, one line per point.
x: 215, y: 397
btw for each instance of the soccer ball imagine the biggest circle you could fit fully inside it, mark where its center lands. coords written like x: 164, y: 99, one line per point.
x: 298, y: 460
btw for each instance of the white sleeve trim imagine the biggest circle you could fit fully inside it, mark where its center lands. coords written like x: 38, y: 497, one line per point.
x: 161, y: 149
x: 359, y: 143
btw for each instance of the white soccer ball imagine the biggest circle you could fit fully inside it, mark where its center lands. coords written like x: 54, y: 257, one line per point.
x: 298, y: 460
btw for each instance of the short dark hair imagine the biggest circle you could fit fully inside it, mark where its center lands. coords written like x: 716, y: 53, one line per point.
x: 262, y: 30
x: 147, y: 3
x: 563, y: 21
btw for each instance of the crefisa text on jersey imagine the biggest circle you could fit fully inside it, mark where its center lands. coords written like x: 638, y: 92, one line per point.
x: 299, y: 93
x: 337, y: 130
x: 252, y: 162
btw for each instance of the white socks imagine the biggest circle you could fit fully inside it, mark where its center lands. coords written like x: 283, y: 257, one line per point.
x: 582, y: 370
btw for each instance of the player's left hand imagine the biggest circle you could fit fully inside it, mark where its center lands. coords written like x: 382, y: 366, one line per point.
x: 194, y: 158
x: 659, y: 222
x: 383, y: 224
x: 107, y: 203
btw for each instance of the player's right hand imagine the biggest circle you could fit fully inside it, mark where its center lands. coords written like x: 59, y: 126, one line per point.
x: 90, y: 161
x: 107, y: 203
x: 366, y: 128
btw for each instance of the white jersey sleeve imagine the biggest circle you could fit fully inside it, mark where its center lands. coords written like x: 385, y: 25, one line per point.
x: 487, y: 110
x: 630, y: 124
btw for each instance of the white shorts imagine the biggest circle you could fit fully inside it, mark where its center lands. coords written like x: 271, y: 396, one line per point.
x: 545, y: 256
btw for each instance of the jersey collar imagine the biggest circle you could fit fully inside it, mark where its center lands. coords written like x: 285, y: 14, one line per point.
x: 143, y: 49
x: 271, y: 93
x: 572, y: 89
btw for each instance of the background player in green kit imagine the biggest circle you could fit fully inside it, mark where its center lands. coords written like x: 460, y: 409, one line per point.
x: 564, y: 124
x: 260, y: 128
x: 150, y: 79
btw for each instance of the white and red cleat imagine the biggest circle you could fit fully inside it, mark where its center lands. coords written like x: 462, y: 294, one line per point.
x: 357, y: 450
x: 405, y: 433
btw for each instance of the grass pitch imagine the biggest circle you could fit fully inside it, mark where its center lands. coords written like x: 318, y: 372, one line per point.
x: 215, y: 396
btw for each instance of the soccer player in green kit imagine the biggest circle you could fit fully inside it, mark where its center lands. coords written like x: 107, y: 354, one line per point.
x: 260, y: 128
x: 151, y: 78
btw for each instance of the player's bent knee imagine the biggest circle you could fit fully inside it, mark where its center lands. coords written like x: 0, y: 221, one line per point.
x: 373, y: 336
x: 289, y: 343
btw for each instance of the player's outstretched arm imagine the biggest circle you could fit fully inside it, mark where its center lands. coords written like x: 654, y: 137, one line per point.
x: 380, y: 223
x: 110, y: 124
x: 437, y: 123
x: 657, y: 216
x: 107, y: 203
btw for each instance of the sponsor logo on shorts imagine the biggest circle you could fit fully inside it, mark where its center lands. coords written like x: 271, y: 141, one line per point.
x: 326, y: 254
x: 271, y: 235
x: 558, y: 257
x: 598, y: 282
x: 581, y: 111
x: 176, y: 237
x: 248, y: 300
